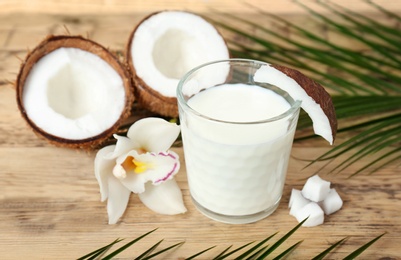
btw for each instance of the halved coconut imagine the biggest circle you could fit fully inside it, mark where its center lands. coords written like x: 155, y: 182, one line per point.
x: 316, y: 101
x: 73, y: 91
x: 162, y: 48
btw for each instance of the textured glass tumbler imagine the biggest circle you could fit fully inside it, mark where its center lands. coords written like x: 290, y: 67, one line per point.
x: 237, y: 136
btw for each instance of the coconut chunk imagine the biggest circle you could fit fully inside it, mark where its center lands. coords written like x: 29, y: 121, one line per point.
x: 162, y: 48
x: 297, y: 201
x: 316, y: 189
x: 323, y: 201
x: 332, y: 202
x: 313, y: 212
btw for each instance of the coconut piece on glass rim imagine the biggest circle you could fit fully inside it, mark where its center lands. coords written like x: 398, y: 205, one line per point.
x: 316, y: 101
x: 162, y: 48
x: 73, y: 91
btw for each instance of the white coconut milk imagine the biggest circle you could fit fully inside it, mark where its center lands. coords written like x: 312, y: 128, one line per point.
x: 237, y: 169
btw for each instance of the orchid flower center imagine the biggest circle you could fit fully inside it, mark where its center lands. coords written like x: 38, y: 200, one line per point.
x: 140, y: 167
x: 132, y: 164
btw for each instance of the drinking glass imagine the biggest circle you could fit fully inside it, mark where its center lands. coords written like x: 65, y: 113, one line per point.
x: 237, y: 136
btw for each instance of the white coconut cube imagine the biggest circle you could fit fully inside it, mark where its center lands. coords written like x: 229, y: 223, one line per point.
x: 313, y: 212
x: 297, y: 201
x: 316, y: 189
x: 332, y: 202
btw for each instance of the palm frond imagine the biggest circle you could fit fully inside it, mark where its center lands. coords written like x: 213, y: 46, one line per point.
x: 226, y: 253
x: 149, y: 251
x: 328, y: 250
x: 162, y: 251
x: 365, y: 83
x: 200, y: 253
x: 359, y: 251
x: 99, y: 252
x: 287, y: 251
x: 256, y: 250
x: 259, y: 251
x: 129, y: 244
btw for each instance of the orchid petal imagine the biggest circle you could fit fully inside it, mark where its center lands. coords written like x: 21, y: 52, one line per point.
x: 134, y: 183
x: 162, y: 167
x: 104, y: 167
x: 118, y: 199
x: 154, y: 134
x: 164, y: 199
x: 124, y: 145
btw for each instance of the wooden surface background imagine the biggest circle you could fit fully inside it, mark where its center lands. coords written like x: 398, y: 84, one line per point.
x: 49, y: 199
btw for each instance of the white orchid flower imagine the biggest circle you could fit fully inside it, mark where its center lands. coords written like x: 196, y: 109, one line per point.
x: 141, y: 163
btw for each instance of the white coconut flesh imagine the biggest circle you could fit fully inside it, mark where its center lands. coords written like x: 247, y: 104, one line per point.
x: 321, y: 122
x: 73, y: 94
x: 315, y: 200
x: 168, y: 44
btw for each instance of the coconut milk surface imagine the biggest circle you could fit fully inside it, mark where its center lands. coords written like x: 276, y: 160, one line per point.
x: 237, y: 169
x: 239, y: 103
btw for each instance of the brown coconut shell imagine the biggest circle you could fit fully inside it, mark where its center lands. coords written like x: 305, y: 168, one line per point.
x: 52, y: 43
x: 146, y: 96
x: 316, y: 91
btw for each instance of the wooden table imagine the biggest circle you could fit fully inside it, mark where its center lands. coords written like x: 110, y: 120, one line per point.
x: 49, y: 199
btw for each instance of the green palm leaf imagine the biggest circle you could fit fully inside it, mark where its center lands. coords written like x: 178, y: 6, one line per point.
x: 150, y: 250
x: 99, y: 252
x: 359, y: 251
x: 328, y: 250
x: 259, y: 251
x: 224, y: 255
x: 256, y: 250
x: 200, y: 253
x: 161, y: 251
x: 365, y: 85
x: 129, y: 244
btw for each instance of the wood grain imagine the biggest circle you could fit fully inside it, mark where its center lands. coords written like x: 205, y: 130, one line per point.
x: 49, y: 199
x: 135, y: 6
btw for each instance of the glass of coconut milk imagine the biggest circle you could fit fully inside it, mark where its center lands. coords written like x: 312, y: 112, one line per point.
x: 237, y: 137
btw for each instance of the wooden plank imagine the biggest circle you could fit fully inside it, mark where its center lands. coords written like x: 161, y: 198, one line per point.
x: 50, y: 206
x: 135, y: 6
x: 49, y: 198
